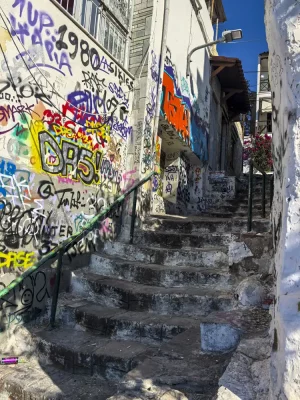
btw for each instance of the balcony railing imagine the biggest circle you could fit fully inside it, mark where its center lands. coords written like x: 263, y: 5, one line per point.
x: 265, y: 85
x: 106, y: 20
x: 264, y: 127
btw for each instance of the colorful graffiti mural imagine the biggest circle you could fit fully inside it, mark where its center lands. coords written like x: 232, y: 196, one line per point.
x: 64, y: 132
x: 183, y: 114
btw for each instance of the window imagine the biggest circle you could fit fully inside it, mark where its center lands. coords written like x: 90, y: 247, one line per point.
x: 264, y: 82
x: 112, y: 39
x: 92, y: 16
x: 67, y: 5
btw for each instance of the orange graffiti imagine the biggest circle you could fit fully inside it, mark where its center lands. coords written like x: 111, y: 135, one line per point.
x: 175, y: 111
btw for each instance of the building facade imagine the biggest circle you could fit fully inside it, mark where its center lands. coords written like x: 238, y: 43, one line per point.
x: 94, y: 96
x: 263, y: 100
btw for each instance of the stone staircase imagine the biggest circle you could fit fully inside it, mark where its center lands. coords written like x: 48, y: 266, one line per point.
x: 158, y: 319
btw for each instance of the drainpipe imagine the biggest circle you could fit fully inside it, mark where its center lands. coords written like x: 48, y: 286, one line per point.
x: 163, y: 50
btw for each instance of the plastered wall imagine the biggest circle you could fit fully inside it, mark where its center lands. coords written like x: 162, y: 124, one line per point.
x: 184, y: 112
x: 283, y: 35
x: 65, y: 129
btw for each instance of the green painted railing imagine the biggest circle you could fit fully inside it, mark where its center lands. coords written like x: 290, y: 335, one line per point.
x: 77, y: 236
x: 252, y: 165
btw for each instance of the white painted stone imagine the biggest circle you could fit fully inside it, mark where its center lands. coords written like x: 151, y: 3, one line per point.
x: 226, y: 394
x: 218, y: 337
x: 250, y: 292
x: 238, y: 251
x: 282, y: 28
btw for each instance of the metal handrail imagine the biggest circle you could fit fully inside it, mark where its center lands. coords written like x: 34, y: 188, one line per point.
x: 66, y: 244
x: 253, y: 165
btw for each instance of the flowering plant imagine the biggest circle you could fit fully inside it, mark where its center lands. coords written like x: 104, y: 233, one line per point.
x: 260, y: 151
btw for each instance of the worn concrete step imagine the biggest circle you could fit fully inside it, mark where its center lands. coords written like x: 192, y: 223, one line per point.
x: 120, y: 324
x: 244, y: 202
x: 222, y: 212
x: 160, y: 275
x: 240, y: 211
x: 219, y: 331
x: 165, y: 301
x: 216, y: 213
x: 82, y: 352
x: 242, y: 206
x: 203, y: 224
x: 171, y: 239
x: 179, y: 365
x: 36, y: 381
x: 207, y: 257
x: 257, y: 198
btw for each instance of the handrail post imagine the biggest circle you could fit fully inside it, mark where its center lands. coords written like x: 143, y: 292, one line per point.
x: 133, y: 215
x: 250, y: 196
x: 56, y: 288
x: 271, y: 190
x: 264, y: 196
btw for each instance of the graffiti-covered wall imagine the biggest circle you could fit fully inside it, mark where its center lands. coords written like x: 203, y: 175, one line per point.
x: 64, y: 131
x: 184, y: 111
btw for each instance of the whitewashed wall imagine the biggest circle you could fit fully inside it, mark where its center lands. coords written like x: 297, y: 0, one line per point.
x: 283, y: 35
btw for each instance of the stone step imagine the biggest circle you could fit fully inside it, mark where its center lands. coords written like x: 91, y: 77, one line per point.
x: 84, y: 353
x: 120, y: 324
x: 179, y: 366
x: 244, y: 202
x: 218, y: 213
x: 242, y: 206
x: 256, y: 199
x: 203, y: 224
x: 45, y: 382
x: 165, y: 301
x: 257, y: 189
x: 240, y: 211
x: 152, y: 328
x: 176, y: 240
x: 209, y: 257
x: 159, y: 275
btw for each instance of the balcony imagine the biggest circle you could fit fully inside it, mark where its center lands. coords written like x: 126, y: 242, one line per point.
x: 264, y: 127
x: 106, y: 20
x: 264, y: 85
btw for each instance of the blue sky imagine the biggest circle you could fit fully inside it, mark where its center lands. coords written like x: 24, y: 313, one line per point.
x: 249, y: 16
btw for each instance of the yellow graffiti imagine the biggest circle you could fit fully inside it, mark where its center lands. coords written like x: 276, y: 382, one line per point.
x: 5, y: 37
x: 157, y: 155
x: 71, y: 134
x: 35, y: 128
x: 99, y: 129
x: 19, y: 259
